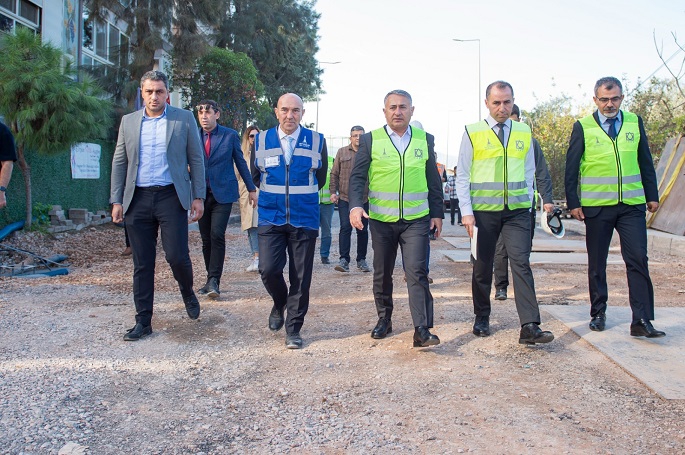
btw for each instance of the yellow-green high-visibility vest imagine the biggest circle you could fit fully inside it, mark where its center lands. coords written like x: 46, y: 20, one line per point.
x: 498, y: 175
x: 398, y: 188
x: 609, y: 170
x: 325, y: 192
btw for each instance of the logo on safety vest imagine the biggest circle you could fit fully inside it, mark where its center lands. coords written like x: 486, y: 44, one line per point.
x: 519, y: 145
x: 597, y: 139
x: 418, y: 153
x: 630, y: 137
x: 304, y: 143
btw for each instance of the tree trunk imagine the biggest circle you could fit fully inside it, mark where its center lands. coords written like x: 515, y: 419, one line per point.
x: 26, y: 173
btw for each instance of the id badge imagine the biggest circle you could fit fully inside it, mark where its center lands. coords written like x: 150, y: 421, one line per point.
x: 271, y: 161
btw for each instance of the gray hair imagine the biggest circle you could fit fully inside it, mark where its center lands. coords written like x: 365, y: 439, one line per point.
x: 400, y: 93
x: 608, y: 83
x: 500, y: 85
x: 155, y: 75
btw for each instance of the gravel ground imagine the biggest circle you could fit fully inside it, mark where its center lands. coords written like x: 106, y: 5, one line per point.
x: 226, y: 384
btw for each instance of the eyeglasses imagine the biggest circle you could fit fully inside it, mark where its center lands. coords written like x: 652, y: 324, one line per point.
x: 253, y: 135
x: 204, y: 107
x: 614, y: 99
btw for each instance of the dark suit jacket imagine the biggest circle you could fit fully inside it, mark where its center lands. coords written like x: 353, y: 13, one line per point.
x: 184, y: 151
x: 576, y: 149
x: 360, y: 173
x: 219, y: 167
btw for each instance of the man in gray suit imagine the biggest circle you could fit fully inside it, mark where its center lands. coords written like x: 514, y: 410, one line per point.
x: 152, y: 188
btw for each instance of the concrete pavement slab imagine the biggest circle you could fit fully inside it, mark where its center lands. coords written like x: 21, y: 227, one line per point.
x: 656, y: 362
x: 462, y: 255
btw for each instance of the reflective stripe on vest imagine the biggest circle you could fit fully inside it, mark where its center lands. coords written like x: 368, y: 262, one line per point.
x: 609, y: 169
x: 498, y: 176
x: 325, y: 192
x: 398, y: 188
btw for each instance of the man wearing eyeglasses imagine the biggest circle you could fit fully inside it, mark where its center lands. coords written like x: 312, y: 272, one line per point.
x: 158, y: 175
x: 609, y: 151
x: 222, y: 150
x: 290, y: 168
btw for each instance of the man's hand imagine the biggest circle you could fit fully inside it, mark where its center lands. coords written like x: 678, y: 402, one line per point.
x: 578, y: 214
x: 3, y: 200
x: 334, y: 198
x: 549, y: 208
x: 117, y: 213
x: 436, y: 223
x: 252, y: 198
x: 196, y: 210
x: 356, y: 215
x: 469, y: 222
x: 651, y: 206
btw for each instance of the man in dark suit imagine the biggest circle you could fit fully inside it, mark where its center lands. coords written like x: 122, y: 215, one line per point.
x: 405, y: 203
x: 8, y: 155
x: 609, y: 151
x: 152, y: 188
x: 222, y: 149
x: 290, y: 169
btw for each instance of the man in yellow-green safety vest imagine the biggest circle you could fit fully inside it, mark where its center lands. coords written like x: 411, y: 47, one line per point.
x: 326, y: 209
x: 495, y: 174
x: 405, y: 203
x: 610, y: 153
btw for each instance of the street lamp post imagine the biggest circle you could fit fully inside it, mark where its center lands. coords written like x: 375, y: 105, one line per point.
x: 479, y: 92
x: 318, y: 92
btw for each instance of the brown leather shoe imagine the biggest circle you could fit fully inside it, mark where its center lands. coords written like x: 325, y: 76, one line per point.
x: 127, y: 251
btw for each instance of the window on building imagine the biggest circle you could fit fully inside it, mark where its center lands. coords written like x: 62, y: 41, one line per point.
x: 103, y: 43
x: 19, y: 13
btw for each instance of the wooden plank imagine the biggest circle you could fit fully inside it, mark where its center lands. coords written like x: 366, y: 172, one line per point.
x: 671, y: 214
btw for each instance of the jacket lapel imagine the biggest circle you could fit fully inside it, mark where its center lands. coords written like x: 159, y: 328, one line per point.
x: 171, y: 115
x: 135, y: 138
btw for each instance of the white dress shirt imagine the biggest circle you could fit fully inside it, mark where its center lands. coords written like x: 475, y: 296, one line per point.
x: 285, y: 142
x: 401, y: 142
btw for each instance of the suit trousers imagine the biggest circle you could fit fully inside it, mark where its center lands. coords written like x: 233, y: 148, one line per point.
x: 502, y: 258
x: 325, y: 220
x: 412, y: 237
x: 345, y: 235
x: 213, y: 232
x: 514, y: 227
x: 454, y: 208
x: 629, y: 222
x: 152, y: 209
x: 300, y: 245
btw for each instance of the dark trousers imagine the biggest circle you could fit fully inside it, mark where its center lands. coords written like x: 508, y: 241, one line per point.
x: 213, y: 232
x: 300, y: 244
x: 345, y: 235
x: 150, y: 210
x: 502, y: 258
x: 629, y: 222
x: 514, y: 227
x: 412, y: 237
x: 454, y: 208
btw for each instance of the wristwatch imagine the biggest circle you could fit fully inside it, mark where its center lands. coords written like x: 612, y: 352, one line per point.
x: 3, y: 189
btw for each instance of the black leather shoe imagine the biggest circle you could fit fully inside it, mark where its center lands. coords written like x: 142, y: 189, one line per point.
x: 213, y: 289
x: 501, y: 294
x: 204, y: 289
x: 423, y: 338
x: 325, y: 260
x: 598, y: 323
x: 481, y: 327
x: 276, y: 319
x: 137, y: 332
x: 644, y: 328
x: 192, y: 306
x: 383, y: 328
x: 531, y: 334
x: 293, y: 341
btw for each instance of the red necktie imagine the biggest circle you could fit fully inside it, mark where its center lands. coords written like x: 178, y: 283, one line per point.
x: 208, y: 145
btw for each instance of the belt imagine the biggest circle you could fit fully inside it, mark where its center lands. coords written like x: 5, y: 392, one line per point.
x: 154, y: 188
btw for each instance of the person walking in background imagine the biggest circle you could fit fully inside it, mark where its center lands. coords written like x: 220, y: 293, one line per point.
x: 405, y: 202
x: 8, y: 155
x: 543, y: 187
x: 495, y: 174
x: 340, y: 185
x: 155, y: 181
x: 248, y: 212
x: 451, y: 189
x: 610, y: 153
x: 326, y: 209
x: 222, y: 152
x: 290, y: 169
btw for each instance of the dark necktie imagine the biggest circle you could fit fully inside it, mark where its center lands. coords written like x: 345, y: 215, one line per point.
x: 500, y: 135
x: 208, y: 145
x: 612, y: 128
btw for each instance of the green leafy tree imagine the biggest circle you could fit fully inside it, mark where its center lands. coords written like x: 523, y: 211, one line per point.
x: 46, y: 108
x: 552, y: 122
x: 227, y: 77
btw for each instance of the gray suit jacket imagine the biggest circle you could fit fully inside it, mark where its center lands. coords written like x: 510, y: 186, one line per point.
x: 184, y: 150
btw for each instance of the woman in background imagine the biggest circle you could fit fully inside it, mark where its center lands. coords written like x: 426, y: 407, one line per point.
x: 248, y: 214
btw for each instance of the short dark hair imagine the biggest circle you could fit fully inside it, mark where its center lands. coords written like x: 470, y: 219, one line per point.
x: 213, y: 104
x: 516, y: 111
x: 155, y: 75
x: 403, y: 93
x: 357, y: 128
x: 608, y: 83
x: 500, y: 85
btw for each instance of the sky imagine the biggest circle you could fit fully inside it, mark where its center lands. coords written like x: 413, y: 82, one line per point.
x: 543, y: 48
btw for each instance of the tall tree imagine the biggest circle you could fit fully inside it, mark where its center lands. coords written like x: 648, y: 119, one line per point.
x: 46, y: 108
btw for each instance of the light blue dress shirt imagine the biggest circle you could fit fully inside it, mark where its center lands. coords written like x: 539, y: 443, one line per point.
x: 153, y: 166
x: 605, y: 125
